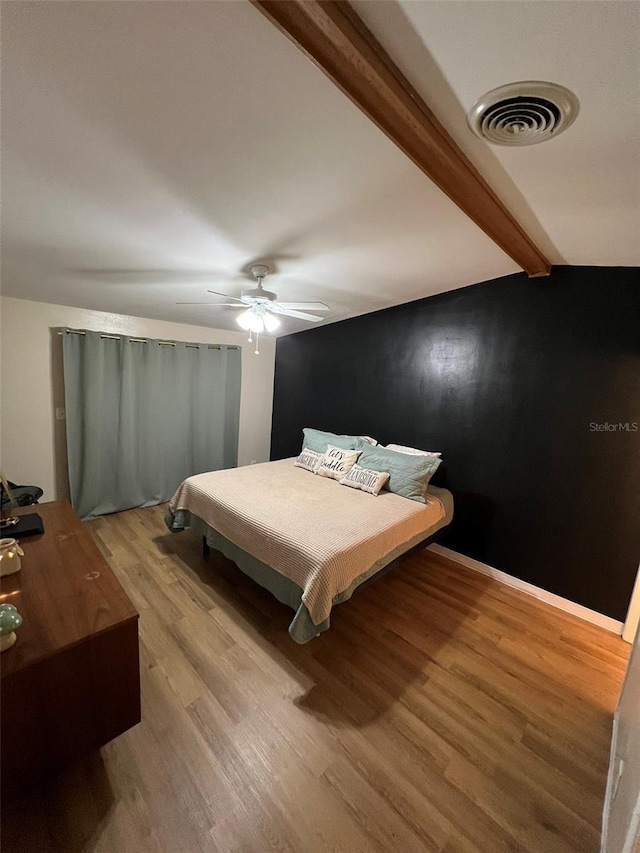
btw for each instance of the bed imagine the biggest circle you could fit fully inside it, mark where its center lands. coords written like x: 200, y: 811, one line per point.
x: 308, y: 540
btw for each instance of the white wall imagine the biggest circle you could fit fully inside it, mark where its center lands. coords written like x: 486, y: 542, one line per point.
x: 32, y: 442
x: 621, y: 820
x: 632, y: 622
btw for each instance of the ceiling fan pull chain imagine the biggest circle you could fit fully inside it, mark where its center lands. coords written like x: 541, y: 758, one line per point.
x: 257, y: 351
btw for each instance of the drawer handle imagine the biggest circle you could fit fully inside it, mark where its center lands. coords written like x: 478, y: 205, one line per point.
x: 91, y: 576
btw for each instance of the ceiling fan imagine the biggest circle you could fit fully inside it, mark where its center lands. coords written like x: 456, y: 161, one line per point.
x: 260, y: 306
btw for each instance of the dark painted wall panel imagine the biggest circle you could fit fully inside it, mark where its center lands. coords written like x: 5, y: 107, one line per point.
x: 505, y: 378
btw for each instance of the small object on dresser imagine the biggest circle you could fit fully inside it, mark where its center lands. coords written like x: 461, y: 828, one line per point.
x: 28, y: 525
x: 10, y: 553
x: 10, y: 619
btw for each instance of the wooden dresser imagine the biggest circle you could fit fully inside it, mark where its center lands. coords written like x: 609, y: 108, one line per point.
x: 71, y: 682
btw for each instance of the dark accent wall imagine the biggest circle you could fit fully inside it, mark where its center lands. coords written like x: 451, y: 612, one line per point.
x: 510, y: 379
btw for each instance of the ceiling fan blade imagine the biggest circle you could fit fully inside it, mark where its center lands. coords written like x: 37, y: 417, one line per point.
x: 304, y: 306
x: 299, y: 315
x: 213, y: 304
x: 227, y: 296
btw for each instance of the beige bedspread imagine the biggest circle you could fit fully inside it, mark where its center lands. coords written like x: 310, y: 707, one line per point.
x: 312, y: 530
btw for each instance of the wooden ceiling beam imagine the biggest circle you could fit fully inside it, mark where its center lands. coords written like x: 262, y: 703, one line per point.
x: 338, y: 42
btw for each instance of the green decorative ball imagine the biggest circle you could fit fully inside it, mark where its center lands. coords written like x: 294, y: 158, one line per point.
x: 10, y: 619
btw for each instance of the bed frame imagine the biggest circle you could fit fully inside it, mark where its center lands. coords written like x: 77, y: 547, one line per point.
x: 206, y: 550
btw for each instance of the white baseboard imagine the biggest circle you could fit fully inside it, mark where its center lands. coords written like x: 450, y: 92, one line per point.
x: 633, y: 616
x: 585, y: 613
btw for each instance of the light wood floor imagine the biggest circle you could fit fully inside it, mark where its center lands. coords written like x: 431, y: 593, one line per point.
x: 442, y: 712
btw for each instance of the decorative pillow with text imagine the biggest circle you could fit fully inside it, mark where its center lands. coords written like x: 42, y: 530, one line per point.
x: 309, y: 460
x: 337, y: 462
x: 365, y: 479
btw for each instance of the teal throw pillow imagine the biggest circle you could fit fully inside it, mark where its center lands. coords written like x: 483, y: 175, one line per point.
x: 409, y: 475
x: 317, y: 440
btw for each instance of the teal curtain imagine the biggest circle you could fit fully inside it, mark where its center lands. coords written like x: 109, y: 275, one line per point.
x: 142, y: 415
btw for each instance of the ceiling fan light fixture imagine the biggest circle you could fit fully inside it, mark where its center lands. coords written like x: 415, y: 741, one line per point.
x: 271, y: 323
x: 261, y: 309
x: 244, y: 319
x: 250, y: 321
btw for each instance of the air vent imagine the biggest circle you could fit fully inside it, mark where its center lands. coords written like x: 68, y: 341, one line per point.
x: 523, y: 113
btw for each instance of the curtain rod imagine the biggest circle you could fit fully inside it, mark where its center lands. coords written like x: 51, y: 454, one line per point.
x: 145, y: 340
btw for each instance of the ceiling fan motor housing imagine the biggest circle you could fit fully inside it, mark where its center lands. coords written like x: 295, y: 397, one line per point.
x: 259, y: 270
x: 258, y: 295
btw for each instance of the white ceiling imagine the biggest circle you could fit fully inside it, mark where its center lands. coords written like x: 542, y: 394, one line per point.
x: 151, y: 150
x: 581, y: 189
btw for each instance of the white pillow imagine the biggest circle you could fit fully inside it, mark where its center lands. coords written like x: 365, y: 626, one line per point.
x: 365, y: 479
x: 337, y: 462
x: 412, y: 451
x: 309, y: 460
x: 369, y: 440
